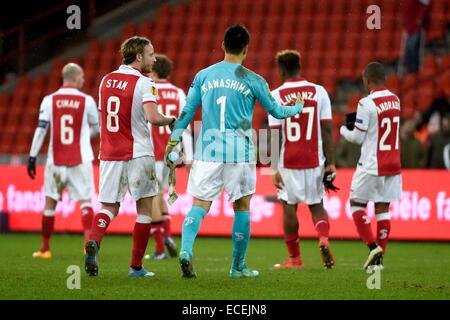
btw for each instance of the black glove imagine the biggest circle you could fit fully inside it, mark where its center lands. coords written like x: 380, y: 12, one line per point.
x: 328, y: 179
x: 350, y: 119
x: 31, y: 168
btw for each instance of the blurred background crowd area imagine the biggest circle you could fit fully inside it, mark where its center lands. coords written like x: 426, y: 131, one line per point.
x: 333, y: 36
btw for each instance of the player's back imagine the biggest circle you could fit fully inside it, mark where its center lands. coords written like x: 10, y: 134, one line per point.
x: 69, y: 112
x: 302, y: 132
x: 171, y: 100
x: 379, y: 115
x: 124, y: 132
x: 227, y: 98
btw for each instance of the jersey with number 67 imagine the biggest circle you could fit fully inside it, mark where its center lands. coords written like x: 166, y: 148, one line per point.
x: 378, y: 115
x: 69, y: 112
x: 301, y: 134
x: 124, y: 132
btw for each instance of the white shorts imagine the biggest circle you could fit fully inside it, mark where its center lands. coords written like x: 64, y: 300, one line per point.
x: 207, y: 179
x: 162, y: 174
x: 366, y: 187
x: 136, y: 176
x: 79, y: 181
x: 302, y: 185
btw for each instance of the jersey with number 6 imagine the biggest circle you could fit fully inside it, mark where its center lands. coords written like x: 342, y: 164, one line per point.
x: 69, y: 112
x: 124, y: 132
x: 171, y: 101
x: 301, y: 134
x: 378, y: 115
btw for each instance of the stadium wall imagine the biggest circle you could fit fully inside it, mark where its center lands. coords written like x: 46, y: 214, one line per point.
x: 423, y: 213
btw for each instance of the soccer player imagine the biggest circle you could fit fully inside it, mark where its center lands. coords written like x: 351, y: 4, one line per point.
x: 73, y: 118
x: 127, y: 99
x: 377, y: 177
x: 171, y: 101
x: 306, y: 155
x: 224, y: 155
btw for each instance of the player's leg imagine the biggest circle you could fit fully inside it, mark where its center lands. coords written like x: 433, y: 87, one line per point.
x: 240, y: 183
x: 191, y: 225
x: 205, y: 184
x: 112, y: 188
x: 241, y: 239
x: 53, y: 190
x: 291, y: 237
x: 157, y: 229
x: 170, y: 244
x: 141, y: 234
x: 322, y: 226
x: 383, y: 230
x: 314, y: 190
x: 80, y: 184
x: 48, y: 222
x: 143, y: 187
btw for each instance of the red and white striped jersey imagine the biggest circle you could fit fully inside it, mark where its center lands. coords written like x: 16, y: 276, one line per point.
x: 124, y: 132
x: 70, y: 112
x: 378, y: 115
x: 301, y: 134
x: 171, y: 101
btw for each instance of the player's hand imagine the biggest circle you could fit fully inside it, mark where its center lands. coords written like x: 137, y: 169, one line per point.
x: 169, y: 148
x: 277, y: 180
x: 31, y: 168
x: 331, y: 168
x: 350, y: 119
x: 328, y: 179
x: 172, y: 124
x: 300, y: 100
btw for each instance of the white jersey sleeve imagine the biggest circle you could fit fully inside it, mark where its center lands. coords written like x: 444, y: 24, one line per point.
x: 92, y: 111
x: 149, y: 91
x: 45, y: 111
x: 324, y: 104
x: 362, y: 121
x: 274, y: 122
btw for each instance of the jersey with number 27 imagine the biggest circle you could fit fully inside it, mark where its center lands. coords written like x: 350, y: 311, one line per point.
x: 124, y: 132
x: 69, y: 112
x: 301, y: 134
x: 378, y: 115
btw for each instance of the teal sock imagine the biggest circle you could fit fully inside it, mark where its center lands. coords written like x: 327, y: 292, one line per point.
x: 241, y: 238
x: 191, y: 225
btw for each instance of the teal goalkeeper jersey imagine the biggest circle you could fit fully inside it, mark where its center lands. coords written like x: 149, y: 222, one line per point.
x: 227, y: 93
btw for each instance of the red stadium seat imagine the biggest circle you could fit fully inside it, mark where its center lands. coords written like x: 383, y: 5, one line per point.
x: 352, y: 103
x: 408, y: 82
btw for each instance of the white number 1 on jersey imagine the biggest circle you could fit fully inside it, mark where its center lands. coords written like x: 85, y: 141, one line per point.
x: 222, y: 101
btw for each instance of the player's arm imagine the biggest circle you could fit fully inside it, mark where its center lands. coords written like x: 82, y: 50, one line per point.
x: 193, y: 100
x: 39, y: 136
x: 192, y: 103
x: 187, y: 135
x: 275, y: 143
x: 93, y: 118
x: 326, y: 129
x: 358, y: 134
x: 155, y: 117
x: 149, y: 96
x: 276, y: 110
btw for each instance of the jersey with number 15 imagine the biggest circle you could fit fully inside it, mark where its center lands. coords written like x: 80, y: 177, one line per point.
x: 124, y: 132
x: 69, y: 112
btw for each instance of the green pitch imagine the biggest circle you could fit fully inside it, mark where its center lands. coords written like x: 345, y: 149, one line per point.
x: 412, y: 271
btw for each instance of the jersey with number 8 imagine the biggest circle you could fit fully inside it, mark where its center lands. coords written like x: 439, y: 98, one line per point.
x: 124, y: 131
x: 69, y: 112
x: 301, y: 135
x: 378, y: 115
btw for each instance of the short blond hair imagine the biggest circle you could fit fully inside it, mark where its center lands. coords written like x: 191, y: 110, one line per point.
x: 131, y: 47
x: 71, y: 70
